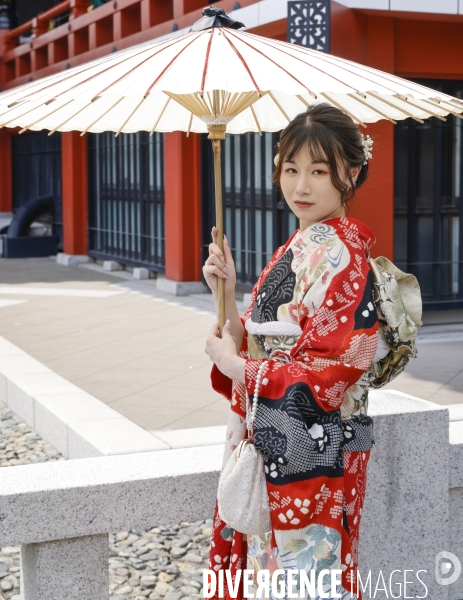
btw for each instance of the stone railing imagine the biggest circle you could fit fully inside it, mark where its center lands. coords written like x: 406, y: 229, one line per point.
x: 61, y: 513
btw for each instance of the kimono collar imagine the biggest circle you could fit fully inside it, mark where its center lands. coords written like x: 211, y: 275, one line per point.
x: 347, y: 228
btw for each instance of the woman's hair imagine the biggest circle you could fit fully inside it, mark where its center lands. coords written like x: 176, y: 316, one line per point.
x: 331, y: 137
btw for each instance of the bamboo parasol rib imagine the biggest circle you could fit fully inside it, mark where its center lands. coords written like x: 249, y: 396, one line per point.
x: 371, y: 108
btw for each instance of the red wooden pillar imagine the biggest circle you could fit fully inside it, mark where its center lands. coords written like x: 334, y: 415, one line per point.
x: 78, y: 8
x: 182, y: 206
x: 154, y: 12
x: 74, y: 192
x: 6, y: 185
x: 5, y: 45
x: 374, y: 203
x: 183, y: 7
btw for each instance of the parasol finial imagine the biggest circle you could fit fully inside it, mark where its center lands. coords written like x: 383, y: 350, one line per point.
x: 215, y: 17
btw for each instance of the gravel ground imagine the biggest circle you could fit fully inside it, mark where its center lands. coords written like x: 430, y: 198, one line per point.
x: 165, y: 561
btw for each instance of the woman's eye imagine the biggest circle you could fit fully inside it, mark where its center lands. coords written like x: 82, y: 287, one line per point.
x: 319, y: 172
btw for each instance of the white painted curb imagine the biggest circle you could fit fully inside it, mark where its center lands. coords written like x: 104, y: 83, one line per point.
x: 73, y: 421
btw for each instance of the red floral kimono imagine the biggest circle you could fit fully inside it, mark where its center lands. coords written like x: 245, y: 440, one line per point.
x: 313, y: 321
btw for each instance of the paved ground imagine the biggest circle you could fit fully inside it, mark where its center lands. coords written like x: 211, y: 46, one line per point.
x: 142, y: 352
x: 139, y: 353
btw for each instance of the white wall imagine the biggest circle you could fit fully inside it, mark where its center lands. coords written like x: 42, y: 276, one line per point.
x: 449, y: 7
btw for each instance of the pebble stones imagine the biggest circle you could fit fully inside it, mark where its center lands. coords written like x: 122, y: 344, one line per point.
x: 162, y: 563
x: 169, y: 562
x: 20, y: 445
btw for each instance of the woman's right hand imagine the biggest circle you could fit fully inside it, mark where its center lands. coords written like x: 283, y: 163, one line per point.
x: 219, y: 264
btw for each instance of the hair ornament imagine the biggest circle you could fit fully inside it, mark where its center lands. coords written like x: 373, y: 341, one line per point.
x: 367, y: 145
x: 276, y: 160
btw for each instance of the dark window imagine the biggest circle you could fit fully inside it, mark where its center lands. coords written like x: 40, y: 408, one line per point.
x: 26, y: 10
x: 256, y: 221
x: 126, y: 198
x: 37, y: 171
x: 428, y: 207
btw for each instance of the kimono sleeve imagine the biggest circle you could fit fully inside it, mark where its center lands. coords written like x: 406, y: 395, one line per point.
x: 220, y: 382
x: 339, y: 326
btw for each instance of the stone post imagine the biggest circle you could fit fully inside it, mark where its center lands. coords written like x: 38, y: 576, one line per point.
x: 405, y: 517
x: 71, y: 568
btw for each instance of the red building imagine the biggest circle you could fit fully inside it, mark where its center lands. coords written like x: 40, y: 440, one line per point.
x: 145, y: 202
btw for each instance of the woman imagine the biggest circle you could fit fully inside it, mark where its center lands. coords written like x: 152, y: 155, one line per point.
x: 313, y: 322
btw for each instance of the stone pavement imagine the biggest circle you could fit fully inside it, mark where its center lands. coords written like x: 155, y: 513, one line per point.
x: 142, y: 352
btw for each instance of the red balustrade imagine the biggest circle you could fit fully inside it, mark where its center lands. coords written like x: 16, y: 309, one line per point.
x: 91, y: 34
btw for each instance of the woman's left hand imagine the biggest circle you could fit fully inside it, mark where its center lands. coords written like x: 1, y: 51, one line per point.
x: 222, y: 351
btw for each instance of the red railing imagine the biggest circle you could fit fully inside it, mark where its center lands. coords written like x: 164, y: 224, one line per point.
x: 40, y: 23
x: 87, y: 35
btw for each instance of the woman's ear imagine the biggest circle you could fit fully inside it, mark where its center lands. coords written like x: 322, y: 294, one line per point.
x: 354, y: 172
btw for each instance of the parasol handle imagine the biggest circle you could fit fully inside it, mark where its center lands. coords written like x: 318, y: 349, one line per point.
x: 217, y: 133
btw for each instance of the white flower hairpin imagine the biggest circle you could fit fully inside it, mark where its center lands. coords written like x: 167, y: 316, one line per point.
x: 367, y: 146
x: 276, y: 160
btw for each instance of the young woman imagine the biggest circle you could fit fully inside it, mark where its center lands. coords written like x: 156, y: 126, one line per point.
x: 313, y: 323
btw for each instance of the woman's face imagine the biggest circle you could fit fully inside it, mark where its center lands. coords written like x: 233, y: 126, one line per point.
x: 308, y: 190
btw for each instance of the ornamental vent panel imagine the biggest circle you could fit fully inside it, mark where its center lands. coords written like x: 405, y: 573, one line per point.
x: 309, y: 24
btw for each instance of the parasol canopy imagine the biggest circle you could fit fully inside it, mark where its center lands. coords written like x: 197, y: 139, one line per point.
x: 216, y: 75
x: 219, y: 79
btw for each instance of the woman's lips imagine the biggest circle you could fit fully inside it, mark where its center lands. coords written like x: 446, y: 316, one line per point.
x: 304, y: 204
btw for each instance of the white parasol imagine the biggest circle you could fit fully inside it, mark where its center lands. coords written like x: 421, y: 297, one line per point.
x: 214, y: 79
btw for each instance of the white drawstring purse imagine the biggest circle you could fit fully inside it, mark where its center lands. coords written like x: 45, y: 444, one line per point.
x: 242, y: 496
